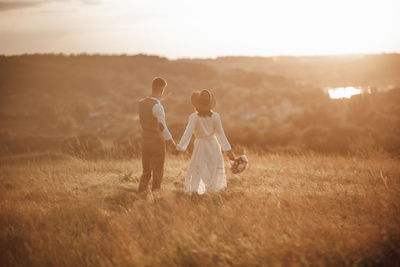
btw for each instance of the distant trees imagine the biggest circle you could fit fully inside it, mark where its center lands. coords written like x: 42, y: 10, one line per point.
x: 66, y: 125
x: 47, y: 113
x: 329, y: 140
x: 80, y: 111
x: 265, y: 103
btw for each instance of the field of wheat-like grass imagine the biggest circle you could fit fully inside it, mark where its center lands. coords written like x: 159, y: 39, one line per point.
x: 283, y: 210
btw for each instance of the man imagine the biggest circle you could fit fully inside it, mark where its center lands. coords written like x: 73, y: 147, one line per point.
x: 155, y: 134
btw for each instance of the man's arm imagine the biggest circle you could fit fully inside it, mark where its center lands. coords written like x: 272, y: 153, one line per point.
x: 158, y: 112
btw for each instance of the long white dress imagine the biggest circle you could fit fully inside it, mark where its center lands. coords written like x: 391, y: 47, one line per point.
x: 206, y: 171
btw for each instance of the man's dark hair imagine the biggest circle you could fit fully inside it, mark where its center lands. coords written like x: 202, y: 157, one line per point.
x: 158, y: 85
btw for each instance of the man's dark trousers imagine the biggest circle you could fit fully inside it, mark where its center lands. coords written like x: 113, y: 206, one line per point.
x: 153, y: 157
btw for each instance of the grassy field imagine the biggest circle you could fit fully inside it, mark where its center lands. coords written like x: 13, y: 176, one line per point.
x: 284, y: 210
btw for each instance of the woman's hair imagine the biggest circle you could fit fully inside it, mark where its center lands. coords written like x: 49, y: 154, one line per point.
x: 202, y: 113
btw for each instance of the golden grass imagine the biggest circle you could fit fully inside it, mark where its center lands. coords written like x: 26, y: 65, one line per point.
x: 284, y: 210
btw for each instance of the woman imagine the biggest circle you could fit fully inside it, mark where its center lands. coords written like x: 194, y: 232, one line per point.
x: 206, y: 171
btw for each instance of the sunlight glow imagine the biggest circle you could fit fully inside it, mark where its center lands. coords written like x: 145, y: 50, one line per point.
x: 343, y: 92
x: 207, y: 28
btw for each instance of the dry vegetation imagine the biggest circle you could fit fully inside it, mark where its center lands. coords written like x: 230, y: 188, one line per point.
x: 302, y: 209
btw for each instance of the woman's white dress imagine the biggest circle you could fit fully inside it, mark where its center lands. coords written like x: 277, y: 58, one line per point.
x: 206, y: 171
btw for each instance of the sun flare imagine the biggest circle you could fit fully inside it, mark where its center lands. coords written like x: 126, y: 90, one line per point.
x: 343, y: 92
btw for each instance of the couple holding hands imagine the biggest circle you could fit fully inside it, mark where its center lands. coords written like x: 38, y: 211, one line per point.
x: 206, y: 171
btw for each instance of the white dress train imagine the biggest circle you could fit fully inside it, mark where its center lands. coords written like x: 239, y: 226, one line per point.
x: 206, y: 171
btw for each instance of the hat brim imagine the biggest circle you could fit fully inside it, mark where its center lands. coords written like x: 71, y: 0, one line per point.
x: 201, y: 107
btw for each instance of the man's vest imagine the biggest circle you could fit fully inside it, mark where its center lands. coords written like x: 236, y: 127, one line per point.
x: 152, y: 129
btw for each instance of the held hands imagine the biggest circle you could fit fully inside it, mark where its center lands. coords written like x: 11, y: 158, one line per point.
x: 177, y: 151
x: 172, y: 147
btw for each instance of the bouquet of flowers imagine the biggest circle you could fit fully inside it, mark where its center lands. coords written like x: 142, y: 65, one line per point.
x: 238, y: 165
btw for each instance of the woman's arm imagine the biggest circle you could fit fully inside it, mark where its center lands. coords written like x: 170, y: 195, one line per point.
x: 223, y: 141
x: 187, y: 135
x: 219, y: 132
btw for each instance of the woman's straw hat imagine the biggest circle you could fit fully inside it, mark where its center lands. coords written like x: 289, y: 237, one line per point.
x: 203, y: 100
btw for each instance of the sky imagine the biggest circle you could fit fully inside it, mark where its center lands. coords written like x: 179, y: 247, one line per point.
x: 205, y: 29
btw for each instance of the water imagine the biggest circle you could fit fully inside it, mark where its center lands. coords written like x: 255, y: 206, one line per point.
x: 345, y: 92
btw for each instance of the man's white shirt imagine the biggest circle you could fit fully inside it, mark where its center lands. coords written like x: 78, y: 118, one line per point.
x: 158, y: 112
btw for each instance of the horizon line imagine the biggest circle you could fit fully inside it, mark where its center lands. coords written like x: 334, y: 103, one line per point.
x: 192, y: 58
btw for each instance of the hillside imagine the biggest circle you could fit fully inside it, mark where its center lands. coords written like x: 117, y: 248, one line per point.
x: 274, y: 104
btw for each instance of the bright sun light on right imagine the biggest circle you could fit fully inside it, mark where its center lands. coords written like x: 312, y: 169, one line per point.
x: 343, y: 92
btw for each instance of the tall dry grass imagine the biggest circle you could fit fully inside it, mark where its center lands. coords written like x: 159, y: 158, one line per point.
x: 284, y: 210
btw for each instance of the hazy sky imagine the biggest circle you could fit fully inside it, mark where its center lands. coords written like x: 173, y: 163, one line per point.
x: 207, y: 28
